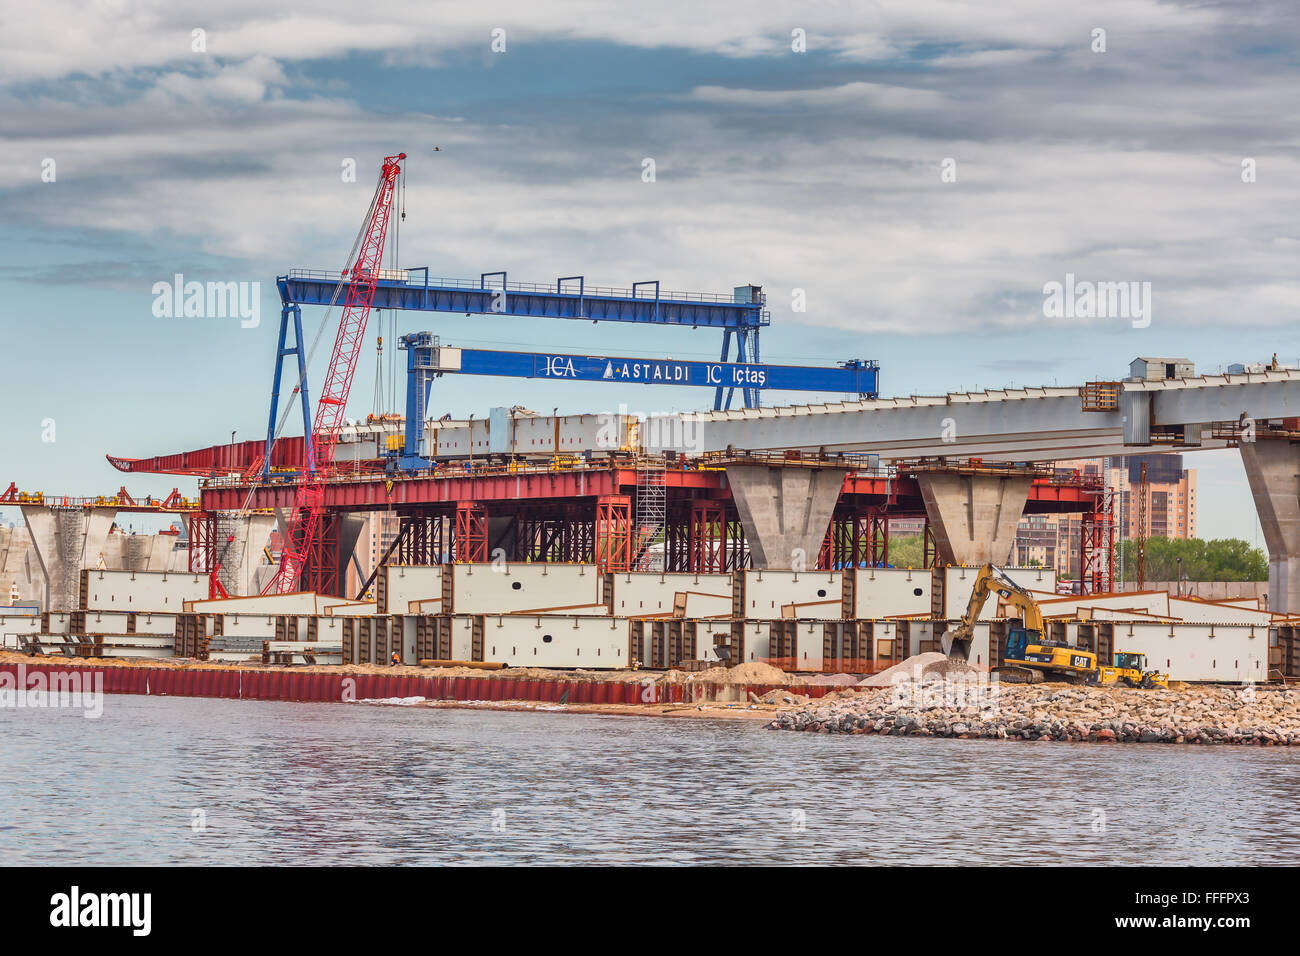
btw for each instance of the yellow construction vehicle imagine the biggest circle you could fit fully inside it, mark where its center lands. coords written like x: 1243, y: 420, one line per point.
x: 1130, y: 670
x: 1027, y: 658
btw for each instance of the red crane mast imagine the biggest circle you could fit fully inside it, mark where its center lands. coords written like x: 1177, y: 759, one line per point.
x: 318, y: 459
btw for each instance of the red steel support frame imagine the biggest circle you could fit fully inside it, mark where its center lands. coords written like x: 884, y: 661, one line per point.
x: 1097, y: 547
x: 203, y: 542
x: 614, y: 532
x: 857, y: 538
x: 877, y: 539
x: 826, y: 554
x: 929, y: 551
x: 677, y: 537
x: 708, y: 537
x: 321, y: 563
x: 471, y: 532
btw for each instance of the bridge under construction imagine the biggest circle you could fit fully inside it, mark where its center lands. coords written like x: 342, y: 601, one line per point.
x: 766, y: 486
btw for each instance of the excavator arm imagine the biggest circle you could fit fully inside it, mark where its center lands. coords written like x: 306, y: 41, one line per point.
x: 956, y: 642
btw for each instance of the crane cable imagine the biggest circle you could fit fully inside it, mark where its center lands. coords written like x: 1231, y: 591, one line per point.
x: 329, y: 312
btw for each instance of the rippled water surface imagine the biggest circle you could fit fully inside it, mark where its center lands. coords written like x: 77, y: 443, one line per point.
x: 326, y: 783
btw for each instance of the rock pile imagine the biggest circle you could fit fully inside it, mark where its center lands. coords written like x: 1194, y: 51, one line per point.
x: 938, y: 708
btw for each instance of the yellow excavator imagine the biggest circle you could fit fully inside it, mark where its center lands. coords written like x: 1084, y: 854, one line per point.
x: 1027, y: 658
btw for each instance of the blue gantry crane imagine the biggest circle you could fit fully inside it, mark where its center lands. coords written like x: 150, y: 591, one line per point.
x: 427, y: 358
x: 739, y: 316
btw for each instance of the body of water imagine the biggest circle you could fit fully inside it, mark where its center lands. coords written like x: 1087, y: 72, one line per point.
x: 192, y: 781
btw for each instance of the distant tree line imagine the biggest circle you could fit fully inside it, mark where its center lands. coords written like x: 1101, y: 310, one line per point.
x: 1222, y: 559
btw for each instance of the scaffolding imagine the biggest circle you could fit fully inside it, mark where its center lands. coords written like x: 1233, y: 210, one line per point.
x: 651, y: 518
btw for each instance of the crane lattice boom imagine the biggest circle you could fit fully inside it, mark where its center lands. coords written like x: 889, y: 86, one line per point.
x: 303, y: 531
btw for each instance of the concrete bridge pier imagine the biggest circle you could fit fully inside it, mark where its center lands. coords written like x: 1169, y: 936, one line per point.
x: 785, y: 511
x: 974, y: 516
x: 1273, y: 471
x: 66, y: 540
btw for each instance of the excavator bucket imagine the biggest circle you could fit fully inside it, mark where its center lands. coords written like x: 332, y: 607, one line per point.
x: 955, y: 644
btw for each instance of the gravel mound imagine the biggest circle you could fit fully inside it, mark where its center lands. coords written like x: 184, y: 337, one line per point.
x: 917, y: 667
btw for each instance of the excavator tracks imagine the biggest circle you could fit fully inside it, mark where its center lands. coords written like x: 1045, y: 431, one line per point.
x: 1012, y: 674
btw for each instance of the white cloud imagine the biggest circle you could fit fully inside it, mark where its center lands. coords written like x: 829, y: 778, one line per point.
x: 113, y: 35
x: 1128, y: 172
x: 849, y: 95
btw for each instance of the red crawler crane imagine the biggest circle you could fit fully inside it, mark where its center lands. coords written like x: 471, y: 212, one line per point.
x: 318, y: 460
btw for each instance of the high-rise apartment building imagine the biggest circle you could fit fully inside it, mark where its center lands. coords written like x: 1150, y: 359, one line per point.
x: 1054, y: 540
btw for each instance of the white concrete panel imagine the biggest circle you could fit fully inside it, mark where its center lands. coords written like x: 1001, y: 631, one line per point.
x: 890, y: 592
x: 406, y: 583
x: 1148, y: 602
x: 108, y: 622
x: 652, y: 592
x: 248, y: 625
x: 512, y: 588
x: 1193, y: 611
x: 146, y: 622
x: 16, y: 625
x: 756, y: 640
x: 766, y: 592
x: 546, y: 640
x: 462, y: 638
x: 299, y: 602
x: 1198, y: 652
x: 351, y: 609
x: 809, y: 646
x: 143, y: 590
x: 706, y: 605
x: 541, y: 435
x: 705, y: 634
x: 979, y: 645
x: 328, y: 629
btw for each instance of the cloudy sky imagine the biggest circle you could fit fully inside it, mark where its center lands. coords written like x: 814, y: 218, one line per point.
x: 920, y: 169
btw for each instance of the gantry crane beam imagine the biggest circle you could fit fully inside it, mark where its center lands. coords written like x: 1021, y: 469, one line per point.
x: 739, y: 315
